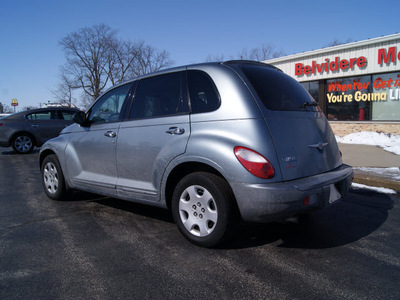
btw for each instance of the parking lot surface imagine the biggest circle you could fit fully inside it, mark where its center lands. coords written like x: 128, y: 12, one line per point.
x: 91, y: 247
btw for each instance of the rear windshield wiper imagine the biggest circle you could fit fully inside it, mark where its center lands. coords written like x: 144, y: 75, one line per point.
x: 305, y: 104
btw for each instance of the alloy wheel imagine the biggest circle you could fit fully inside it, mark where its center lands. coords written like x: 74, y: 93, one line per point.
x: 23, y: 144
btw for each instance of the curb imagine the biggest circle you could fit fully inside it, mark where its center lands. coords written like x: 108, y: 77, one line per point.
x: 376, y: 181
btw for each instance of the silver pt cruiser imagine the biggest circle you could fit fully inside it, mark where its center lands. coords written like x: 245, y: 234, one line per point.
x: 215, y: 143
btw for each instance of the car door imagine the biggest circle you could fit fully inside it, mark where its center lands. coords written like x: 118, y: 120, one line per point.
x: 90, y: 153
x: 44, y: 125
x: 50, y: 128
x: 157, y: 131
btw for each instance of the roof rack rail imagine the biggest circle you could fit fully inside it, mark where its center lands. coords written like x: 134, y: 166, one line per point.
x: 253, y: 62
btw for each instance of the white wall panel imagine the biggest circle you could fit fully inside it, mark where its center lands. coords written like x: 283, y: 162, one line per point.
x: 368, y: 49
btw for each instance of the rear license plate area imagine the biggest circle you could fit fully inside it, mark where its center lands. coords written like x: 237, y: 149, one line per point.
x: 334, y: 194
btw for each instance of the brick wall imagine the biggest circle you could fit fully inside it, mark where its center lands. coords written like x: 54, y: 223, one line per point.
x: 342, y: 128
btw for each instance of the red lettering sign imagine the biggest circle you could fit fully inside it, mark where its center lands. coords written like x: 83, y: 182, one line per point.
x: 389, y: 56
x: 298, y: 69
x: 334, y: 65
x: 385, y: 56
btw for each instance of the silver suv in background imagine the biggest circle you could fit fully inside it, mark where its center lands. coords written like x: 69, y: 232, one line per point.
x: 212, y: 142
x: 25, y: 130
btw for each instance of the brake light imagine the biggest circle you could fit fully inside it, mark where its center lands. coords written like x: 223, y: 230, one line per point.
x: 255, y: 163
x: 1, y: 124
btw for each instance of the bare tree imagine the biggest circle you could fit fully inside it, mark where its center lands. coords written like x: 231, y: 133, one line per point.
x: 337, y: 42
x: 64, y: 91
x: 86, y: 101
x: 96, y: 59
x: 121, y: 60
x: 149, y: 60
x: 262, y: 53
x: 6, y: 109
x: 212, y: 58
x: 87, y: 52
x: 265, y: 52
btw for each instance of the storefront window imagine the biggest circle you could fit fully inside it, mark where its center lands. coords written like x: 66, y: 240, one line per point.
x: 347, y: 98
x: 312, y: 88
x: 388, y: 87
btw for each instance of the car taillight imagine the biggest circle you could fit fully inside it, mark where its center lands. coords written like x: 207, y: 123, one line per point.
x: 1, y: 124
x: 255, y: 163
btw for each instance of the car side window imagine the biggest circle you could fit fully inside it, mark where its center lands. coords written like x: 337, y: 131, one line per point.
x: 158, y: 96
x: 108, y: 107
x: 43, y: 115
x: 65, y: 115
x: 203, y: 94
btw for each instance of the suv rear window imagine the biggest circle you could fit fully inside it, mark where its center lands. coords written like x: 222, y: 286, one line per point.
x: 277, y: 90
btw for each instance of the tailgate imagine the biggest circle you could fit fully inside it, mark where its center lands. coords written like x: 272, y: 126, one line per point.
x: 305, y: 145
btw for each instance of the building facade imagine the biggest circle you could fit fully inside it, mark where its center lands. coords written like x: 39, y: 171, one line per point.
x: 355, y: 82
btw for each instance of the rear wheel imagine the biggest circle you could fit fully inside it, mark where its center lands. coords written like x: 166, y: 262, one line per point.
x: 52, y: 178
x: 203, y: 209
x: 23, y: 143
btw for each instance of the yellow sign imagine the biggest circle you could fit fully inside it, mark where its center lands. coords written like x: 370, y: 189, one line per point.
x: 14, y: 102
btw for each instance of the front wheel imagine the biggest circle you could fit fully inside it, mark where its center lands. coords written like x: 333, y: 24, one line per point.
x: 203, y: 209
x: 52, y: 178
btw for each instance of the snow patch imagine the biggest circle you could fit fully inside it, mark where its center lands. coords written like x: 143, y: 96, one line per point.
x: 393, y: 173
x: 373, y: 188
x: 388, y: 142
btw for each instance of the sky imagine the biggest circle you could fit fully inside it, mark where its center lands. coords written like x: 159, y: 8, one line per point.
x: 190, y: 31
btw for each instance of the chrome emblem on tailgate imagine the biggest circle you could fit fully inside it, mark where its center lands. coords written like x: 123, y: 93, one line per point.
x: 319, y: 146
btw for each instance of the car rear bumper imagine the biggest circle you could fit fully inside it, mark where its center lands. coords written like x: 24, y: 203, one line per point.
x: 268, y: 202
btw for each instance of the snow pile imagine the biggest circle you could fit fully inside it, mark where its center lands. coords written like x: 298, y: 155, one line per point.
x: 372, y: 188
x: 392, y: 173
x: 389, y: 142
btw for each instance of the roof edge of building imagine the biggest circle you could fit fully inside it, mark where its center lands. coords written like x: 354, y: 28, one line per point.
x: 326, y: 50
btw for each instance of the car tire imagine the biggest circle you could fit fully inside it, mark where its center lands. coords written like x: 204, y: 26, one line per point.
x: 52, y: 178
x: 204, y: 209
x: 23, y: 143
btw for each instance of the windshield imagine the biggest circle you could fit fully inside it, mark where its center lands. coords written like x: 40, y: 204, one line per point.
x: 277, y: 90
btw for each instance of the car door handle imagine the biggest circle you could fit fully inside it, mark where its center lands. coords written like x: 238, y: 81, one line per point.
x: 175, y: 130
x: 34, y: 125
x: 110, y: 134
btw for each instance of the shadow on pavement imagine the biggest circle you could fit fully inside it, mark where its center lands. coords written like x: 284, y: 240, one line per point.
x: 139, y: 209
x: 12, y: 152
x: 359, y: 214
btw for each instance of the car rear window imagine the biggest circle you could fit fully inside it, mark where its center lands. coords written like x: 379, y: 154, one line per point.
x: 277, y: 90
x: 204, y: 96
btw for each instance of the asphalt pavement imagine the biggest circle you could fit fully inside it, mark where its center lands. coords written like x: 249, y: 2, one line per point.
x: 93, y: 247
x: 366, y: 156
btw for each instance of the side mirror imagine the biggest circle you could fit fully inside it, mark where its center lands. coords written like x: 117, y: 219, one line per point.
x: 80, y: 118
